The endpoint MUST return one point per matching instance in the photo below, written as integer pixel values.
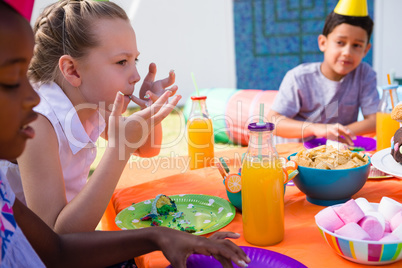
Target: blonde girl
(85, 53)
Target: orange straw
(390, 91)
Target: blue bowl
(330, 187)
(235, 199)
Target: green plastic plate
(205, 212)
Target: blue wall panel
(274, 36)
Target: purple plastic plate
(369, 144)
(259, 258)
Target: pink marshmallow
(378, 216)
(328, 219)
(349, 212)
(354, 231)
(387, 227)
(389, 237)
(396, 220)
(373, 227)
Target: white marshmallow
(364, 204)
(398, 232)
(389, 207)
(396, 220)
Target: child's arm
(290, 128)
(369, 100)
(100, 249)
(366, 126)
(43, 180)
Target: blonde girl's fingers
(118, 104)
(173, 89)
(165, 109)
(156, 106)
(140, 102)
(168, 81)
(152, 97)
(150, 78)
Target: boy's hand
(151, 90)
(335, 132)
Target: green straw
(260, 123)
(195, 84)
(196, 90)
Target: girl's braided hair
(67, 27)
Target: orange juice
(262, 201)
(200, 142)
(385, 129)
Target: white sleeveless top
(15, 250)
(77, 149)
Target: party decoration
(24, 7)
(355, 8)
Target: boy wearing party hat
(322, 99)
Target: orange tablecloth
(302, 241)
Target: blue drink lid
(261, 126)
(388, 87)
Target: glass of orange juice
(200, 135)
(262, 189)
(385, 126)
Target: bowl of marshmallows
(364, 232)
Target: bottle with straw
(385, 125)
(262, 187)
(200, 134)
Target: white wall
(198, 36)
(387, 39)
(183, 35)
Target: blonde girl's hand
(130, 133)
(151, 90)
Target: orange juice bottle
(200, 135)
(385, 126)
(262, 181)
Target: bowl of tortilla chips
(330, 176)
